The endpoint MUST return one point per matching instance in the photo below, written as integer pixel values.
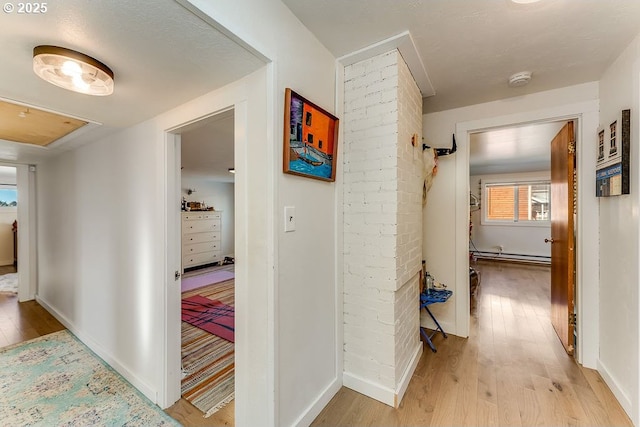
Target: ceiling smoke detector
(520, 79)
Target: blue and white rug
(55, 380)
(9, 283)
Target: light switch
(289, 218)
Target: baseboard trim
(408, 373)
(617, 391)
(382, 393)
(144, 388)
(318, 404)
(369, 388)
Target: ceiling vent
(520, 79)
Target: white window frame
(515, 221)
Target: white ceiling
(7, 175)
(162, 55)
(207, 148)
(470, 47)
(524, 148)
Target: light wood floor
(23, 321)
(511, 371)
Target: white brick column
(383, 226)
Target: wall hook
(444, 151)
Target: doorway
(586, 117)
(8, 230)
(203, 191)
(208, 265)
(19, 179)
(519, 204)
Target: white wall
(515, 239)
(290, 315)
(619, 295)
(307, 342)
(99, 266)
(103, 252)
(446, 214)
(220, 195)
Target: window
(601, 145)
(612, 142)
(517, 203)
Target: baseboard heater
(538, 259)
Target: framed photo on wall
(310, 139)
(614, 149)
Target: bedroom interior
(207, 225)
(500, 161)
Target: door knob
(548, 240)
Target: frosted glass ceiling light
(72, 70)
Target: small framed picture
(310, 139)
(614, 157)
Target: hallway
(512, 371)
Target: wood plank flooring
(23, 321)
(511, 371)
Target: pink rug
(195, 282)
(209, 315)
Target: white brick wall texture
(407, 315)
(382, 215)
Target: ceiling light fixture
(520, 79)
(72, 70)
(232, 170)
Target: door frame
(174, 241)
(586, 116)
(173, 249)
(253, 101)
(25, 186)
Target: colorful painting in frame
(310, 139)
(613, 162)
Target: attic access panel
(28, 125)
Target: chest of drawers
(201, 237)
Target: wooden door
(562, 235)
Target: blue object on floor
(428, 297)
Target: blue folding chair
(428, 297)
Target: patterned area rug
(195, 282)
(209, 315)
(9, 283)
(207, 360)
(55, 380)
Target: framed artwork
(310, 139)
(612, 167)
